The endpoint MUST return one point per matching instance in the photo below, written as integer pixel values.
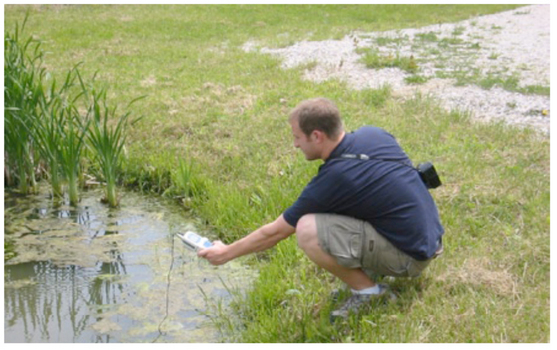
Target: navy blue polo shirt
(387, 194)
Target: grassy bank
(222, 112)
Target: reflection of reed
(81, 216)
(60, 306)
(103, 291)
(108, 286)
(108, 289)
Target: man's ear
(318, 136)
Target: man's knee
(306, 231)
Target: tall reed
(73, 135)
(23, 92)
(106, 142)
(45, 124)
(49, 130)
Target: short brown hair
(318, 114)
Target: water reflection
(53, 303)
(94, 274)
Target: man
(360, 216)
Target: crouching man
(366, 212)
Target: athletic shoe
(357, 301)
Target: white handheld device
(194, 241)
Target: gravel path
(454, 58)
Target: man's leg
(306, 232)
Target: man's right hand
(261, 239)
(216, 255)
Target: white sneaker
(357, 301)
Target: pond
(98, 275)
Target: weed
(373, 59)
(535, 90)
(449, 41)
(493, 56)
(475, 46)
(191, 186)
(507, 83)
(416, 79)
(384, 41)
(458, 31)
(427, 37)
(309, 65)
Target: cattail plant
(47, 125)
(50, 129)
(39, 124)
(23, 93)
(106, 141)
(48, 139)
(73, 136)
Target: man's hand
(263, 238)
(216, 254)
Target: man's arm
(261, 239)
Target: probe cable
(167, 292)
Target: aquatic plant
(72, 145)
(45, 125)
(106, 142)
(49, 130)
(22, 94)
(48, 143)
(40, 125)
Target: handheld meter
(194, 241)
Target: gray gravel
(513, 44)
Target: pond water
(94, 274)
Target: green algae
(95, 274)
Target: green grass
(375, 60)
(497, 247)
(427, 37)
(223, 113)
(499, 79)
(416, 79)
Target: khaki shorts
(355, 244)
